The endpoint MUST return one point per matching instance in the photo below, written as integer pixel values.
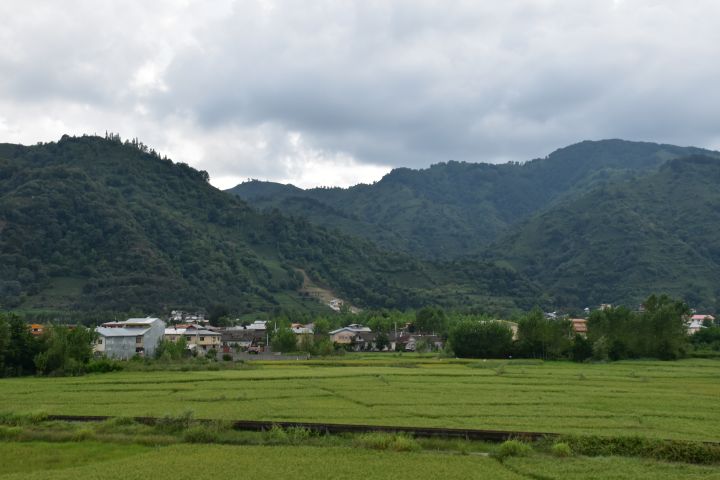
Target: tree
(216, 312)
(658, 331)
(430, 320)
(67, 351)
(581, 349)
(540, 337)
(382, 341)
(20, 347)
(284, 340)
(169, 350)
(474, 339)
(321, 327)
(663, 323)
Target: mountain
(95, 223)
(454, 209)
(626, 239)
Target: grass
(120, 448)
(674, 400)
(107, 460)
(177, 462)
(41, 457)
(616, 468)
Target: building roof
(257, 325)
(132, 322)
(190, 331)
(365, 336)
(579, 325)
(302, 330)
(242, 335)
(702, 317)
(120, 332)
(354, 328)
(146, 320)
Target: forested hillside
(456, 208)
(626, 239)
(95, 223)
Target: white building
(135, 336)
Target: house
(696, 322)
(36, 329)
(579, 326)
(300, 329)
(199, 339)
(240, 338)
(259, 325)
(364, 341)
(179, 316)
(345, 335)
(135, 336)
(409, 341)
(336, 304)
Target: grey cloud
(403, 83)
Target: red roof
(579, 325)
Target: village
(141, 337)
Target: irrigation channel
(335, 428)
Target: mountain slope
(454, 209)
(624, 240)
(92, 223)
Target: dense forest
(596, 222)
(99, 224)
(94, 223)
(456, 208)
(623, 240)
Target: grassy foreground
(653, 399)
(91, 460)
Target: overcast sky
(339, 92)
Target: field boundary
(336, 428)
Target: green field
(677, 400)
(90, 460)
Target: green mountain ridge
(624, 240)
(454, 209)
(93, 223)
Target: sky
(334, 93)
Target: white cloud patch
(339, 92)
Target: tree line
(60, 350)
(657, 331)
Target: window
(202, 339)
(138, 339)
(99, 341)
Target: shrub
(512, 448)
(666, 450)
(9, 433)
(288, 436)
(475, 339)
(561, 449)
(103, 365)
(387, 441)
(84, 433)
(201, 434)
(175, 424)
(227, 357)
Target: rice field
(677, 400)
(92, 460)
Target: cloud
(338, 92)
